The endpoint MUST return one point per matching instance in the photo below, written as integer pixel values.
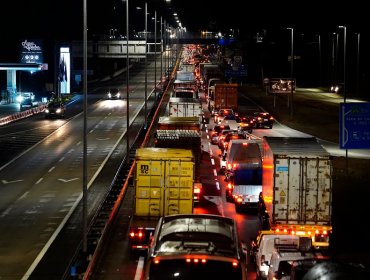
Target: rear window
(219, 128)
(181, 269)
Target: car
(228, 138)
(246, 124)
(221, 114)
(114, 93)
(263, 119)
(26, 104)
(336, 88)
(55, 109)
(222, 135)
(213, 134)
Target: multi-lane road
(41, 186)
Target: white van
(283, 256)
(267, 245)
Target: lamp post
(146, 66)
(84, 176)
(161, 34)
(320, 63)
(127, 88)
(344, 76)
(291, 69)
(344, 61)
(358, 66)
(155, 55)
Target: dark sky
(63, 20)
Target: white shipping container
(184, 107)
(297, 181)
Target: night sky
(62, 21)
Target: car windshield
(54, 105)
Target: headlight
(47, 111)
(109, 95)
(58, 111)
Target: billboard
(354, 125)
(64, 75)
(282, 85)
(31, 51)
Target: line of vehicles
(286, 181)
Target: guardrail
(22, 115)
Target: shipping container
(297, 186)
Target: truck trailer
(297, 188)
(163, 184)
(184, 107)
(225, 97)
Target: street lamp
(358, 66)
(291, 69)
(344, 60)
(127, 89)
(146, 67)
(344, 75)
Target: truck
(225, 96)
(297, 188)
(244, 174)
(183, 123)
(184, 107)
(163, 183)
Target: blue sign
(237, 73)
(354, 129)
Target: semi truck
(184, 107)
(163, 183)
(297, 188)
(183, 123)
(225, 97)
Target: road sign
(354, 125)
(238, 73)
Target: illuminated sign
(282, 85)
(354, 125)
(31, 52)
(64, 76)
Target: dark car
(213, 133)
(26, 104)
(114, 93)
(263, 119)
(246, 124)
(55, 109)
(231, 136)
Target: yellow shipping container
(164, 181)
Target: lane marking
(39, 180)
(139, 269)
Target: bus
(196, 246)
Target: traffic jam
(214, 164)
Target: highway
(116, 263)
(41, 186)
